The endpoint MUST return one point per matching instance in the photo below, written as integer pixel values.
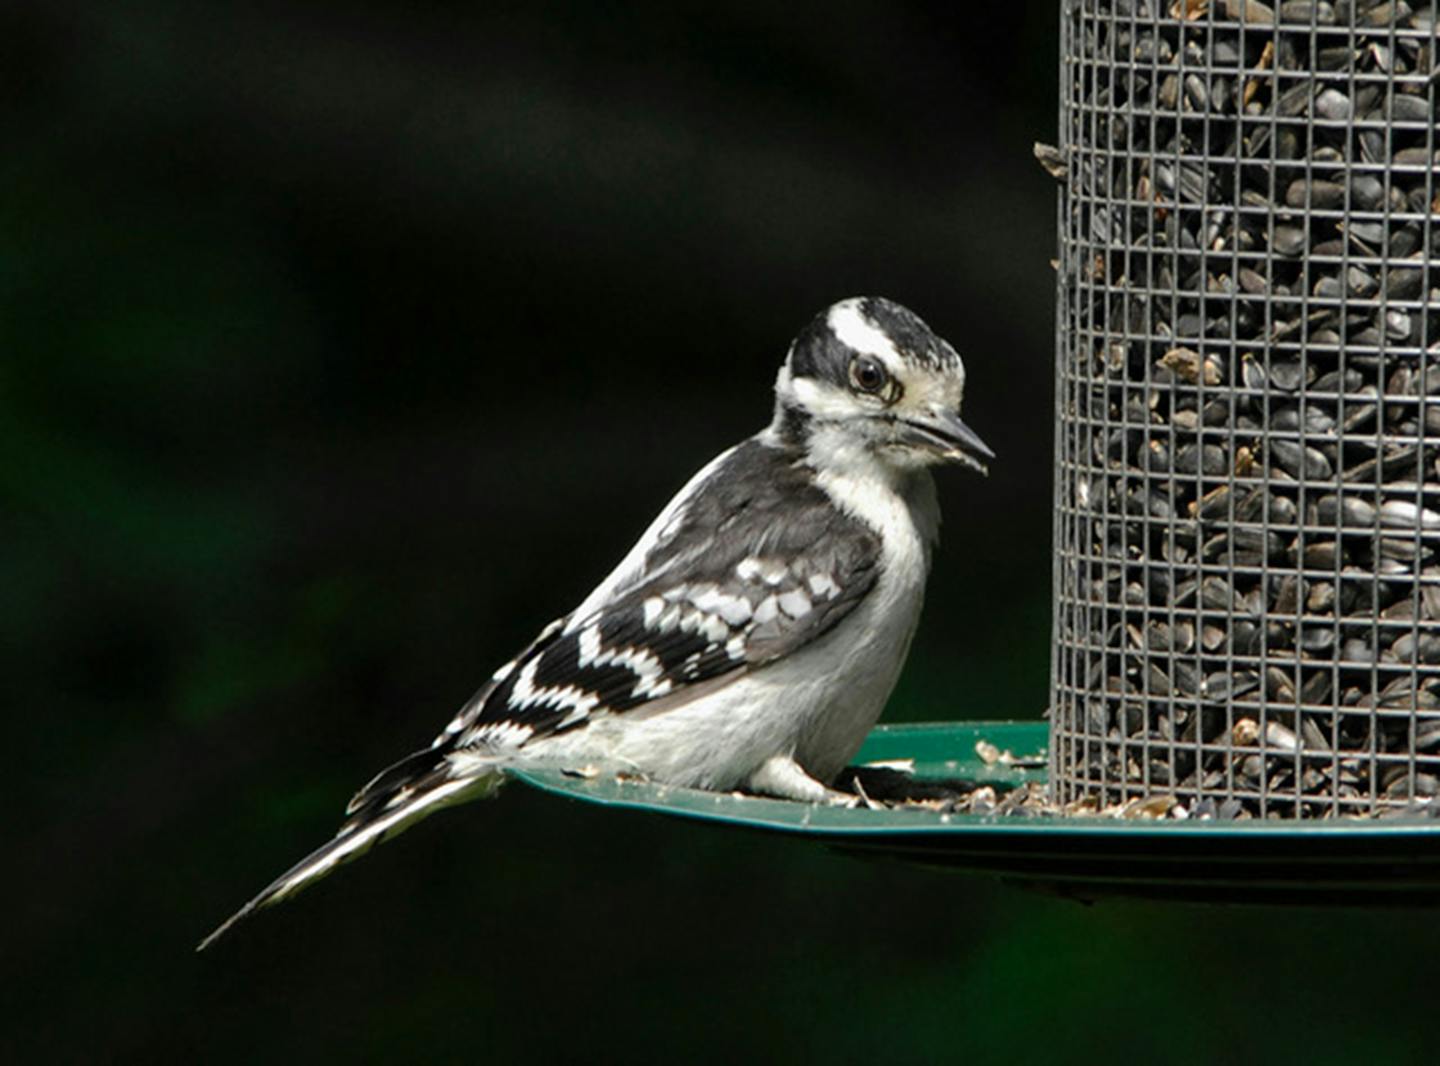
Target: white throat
(881, 494)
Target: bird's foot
(784, 778)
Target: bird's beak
(942, 432)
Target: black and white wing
(751, 562)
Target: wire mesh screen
(1248, 372)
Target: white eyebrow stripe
(858, 333)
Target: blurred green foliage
(345, 345)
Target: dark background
(346, 345)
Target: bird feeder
(1245, 689)
(1248, 371)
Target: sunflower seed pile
(887, 786)
(1248, 468)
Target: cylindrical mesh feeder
(1248, 375)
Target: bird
(752, 636)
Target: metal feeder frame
(1247, 497)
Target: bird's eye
(868, 375)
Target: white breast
(865, 654)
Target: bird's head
(868, 380)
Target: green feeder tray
(1341, 861)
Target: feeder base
(1352, 863)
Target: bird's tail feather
(396, 799)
